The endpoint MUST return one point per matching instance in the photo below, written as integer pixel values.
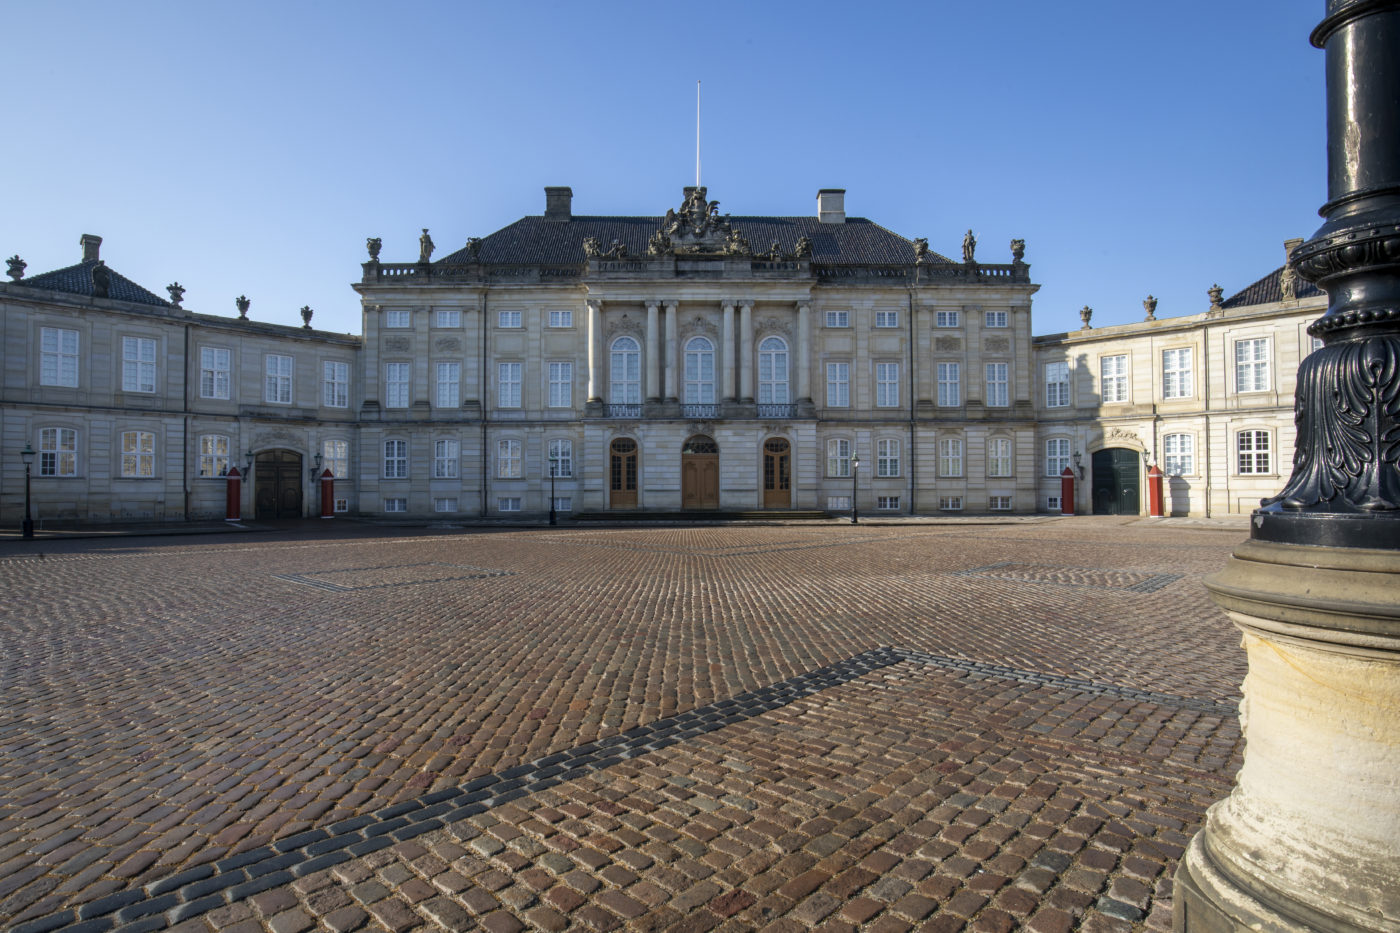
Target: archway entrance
(623, 474)
(1117, 478)
(277, 484)
(700, 473)
(777, 473)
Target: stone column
(1309, 839)
(671, 395)
(746, 351)
(595, 350)
(804, 353)
(726, 354)
(654, 362)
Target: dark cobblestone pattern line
(311, 578)
(1132, 581)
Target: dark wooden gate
(1117, 478)
(277, 484)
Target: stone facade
(689, 361)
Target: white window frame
(838, 503)
(887, 503)
(998, 385)
(510, 377)
(277, 378)
(838, 385)
(949, 384)
(950, 503)
(395, 459)
(138, 453)
(561, 454)
(215, 372)
(999, 503)
(561, 383)
(1054, 504)
(838, 318)
(398, 380)
(510, 462)
(1179, 454)
(335, 384)
(508, 504)
(335, 456)
(398, 317)
(625, 371)
(996, 319)
(449, 318)
(1057, 455)
(214, 459)
(947, 319)
(563, 317)
(1000, 456)
(396, 504)
(886, 318)
(58, 451)
(1256, 457)
(773, 371)
(699, 371)
(1177, 376)
(838, 457)
(1113, 379)
(563, 503)
(950, 457)
(448, 383)
(58, 357)
(887, 457)
(444, 503)
(1057, 384)
(886, 385)
(447, 452)
(1252, 364)
(510, 319)
(138, 364)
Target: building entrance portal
(623, 474)
(777, 474)
(700, 473)
(277, 484)
(1117, 477)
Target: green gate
(1117, 477)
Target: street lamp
(553, 468)
(855, 512)
(27, 455)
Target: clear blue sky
(251, 147)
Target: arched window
(625, 371)
(772, 371)
(699, 372)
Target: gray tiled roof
(77, 280)
(533, 240)
(1267, 290)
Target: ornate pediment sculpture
(698, 228)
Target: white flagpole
(697, 134)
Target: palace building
(687, 361)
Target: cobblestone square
(922, 726)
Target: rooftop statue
(1018, 250)
(803, 249)
(920, 249)
(16, 270)
(425, 246)
(969, 247)
(101, 279)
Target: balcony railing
(700, 411)
(624, 411)
(776, 411)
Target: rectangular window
(1056, 455)
(563, 503)
(445, 452)
(996, 318)
(1253, 447)
(508, 504)
(946, 318)
(890, 503)
(838, 503)
(1113, 378)
(561, 385)
(999, 503)
(886, 318)
(342, 505)
(138, 454)
(838, 385)
(1176, 373)
(1052, 503)
(449, 317)
(1179, 452)
(886, 385)
(950, 457)
(508, 318)
(561, 318)
(998, 395)
(277, 385)
(949, 385)
(950, 503)
(838, 457)
(999, 456)
(213, 455)
(508, 384)
(838, 319)
(396, 504)
(335, 456)
(58, 452)
(561, 457)
(444, 504)
(58, 357)
(1252, 365)
(215, 364)
(449, 385)
(138, 364)
(396, 384)
(396, 459)
(1056, 385)
(335, 384)
(887, 457)
(397, 317)
(508, 465)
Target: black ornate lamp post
(27, 455)
(553, 469)
(855, 511)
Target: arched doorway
(1117, 479)
(622, 474)
(700, 473)
(277, 484)
(777, 473)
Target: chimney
(91, 244)
(1289, 246)
(831, 205)
(558, 204)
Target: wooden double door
(777, 473)
(277, 484)
(1117, 480)
(700, 473)
(622, 473)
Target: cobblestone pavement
(783, 727)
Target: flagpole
(697, 134)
